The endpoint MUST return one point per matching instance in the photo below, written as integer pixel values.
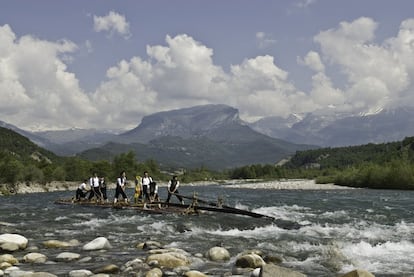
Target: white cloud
(305, 3)
(313, 61)
(264, 40)
(375, 73)
(35, 87)
(323, 93)
(112, 23)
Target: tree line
(386, 165)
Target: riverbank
(296, 184)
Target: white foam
(382, 257)
(258, 232)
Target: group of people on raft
(146, 190)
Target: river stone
(358, 273)
(273, 259)
(253, 251)
(250, 261)
(170, 260)
(9, 246)
(85, 259)
(16, 272)
(56, 244)
(8, 259)
(67, 256)
(4, 265)
(14, 238)
(136, 263)
(40, 274)
(218, 254)
(272, 270)
(194, 273)
(1, 273)
(35, 258)
(111, 268)
(155, 272)
(97, 244)
(150, 245)
(80, 273)
(256, 272)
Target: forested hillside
(386, 165)
(22, 148)
(23, 161)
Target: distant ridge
(185, 123)
(212, 136)
(332, 130)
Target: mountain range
(214, 136)
(333, 130)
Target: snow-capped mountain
(327, 129)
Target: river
(340, 229)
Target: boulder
(97, 244)
(9, 246)
(273, 259)
(8, 259)
(40, 274)
(67, 257)
(80, 273)
(135, 264)
(150, 245)
(5, 265)
(14, 271)
(194, 273)
(272, 270)
(218, 254)
(170, 260)
(35, 258)
(110, 268)
(13, 239)
(256, 272)
(358, 273)
(56, 244)
(155, 272)
(250, 261)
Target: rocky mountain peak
(186, 123)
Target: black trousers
(80, 194)
(120, 191)
(95, 191)
(145, 192)
(103, 191)
(178, 196)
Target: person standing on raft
(120, 187)
(138, 189)
(172, 188)
(146, 181)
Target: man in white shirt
(95, 191)
(81, 191)
(120, 187)
(146, 181)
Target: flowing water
(341, 229)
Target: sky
(106, 64)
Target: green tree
(77, 169)
(11, 171)
(125, 162)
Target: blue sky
(106, 64)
